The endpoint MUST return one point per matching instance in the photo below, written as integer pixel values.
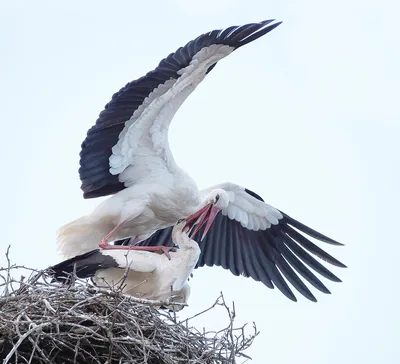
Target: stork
(142, 274)
(126, 153)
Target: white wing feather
(139, 261)
(253, 214)
(143, 150)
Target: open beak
(205, 215)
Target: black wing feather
(312, 248)
(248, 268)
(305, 229)
(84, 266)
(309, 260)
(234, 258)
(293, 278)
(301, 268)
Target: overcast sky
(307, 117)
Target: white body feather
(158, 192)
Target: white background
(306, 116)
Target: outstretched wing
(129, 141)
(256, 240)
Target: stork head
(181, 225)
(181, 228)
(218, 198)
(214, 202)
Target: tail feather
(80, 236)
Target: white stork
(126, 153)
(142, 274)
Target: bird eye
(216, 198)
(180, 220)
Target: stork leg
(161, 249)
(103, 243)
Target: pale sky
(306, 116)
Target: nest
(45, 322)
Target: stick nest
(45, 322)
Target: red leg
(158, 249)
(103, 243)
(134, 241)
(161, 249)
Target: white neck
(182, 239)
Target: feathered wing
(83, 266)
(129, 141)
(256, 240)
(86, 265)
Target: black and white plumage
(108, 163)
(253, 239)
(141, 274)
(126, 153)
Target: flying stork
(126, 154)
(142, 274)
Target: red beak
(207, 215)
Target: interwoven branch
(45, 322)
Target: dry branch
(45, 322)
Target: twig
(204, 311)
(21, 339)
(8, 279)
(45, 322)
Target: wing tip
(329, 259)
(340, 264)
(265, 28)
(334, 278)
(312, 298)
(274, 25)
(307, 230)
